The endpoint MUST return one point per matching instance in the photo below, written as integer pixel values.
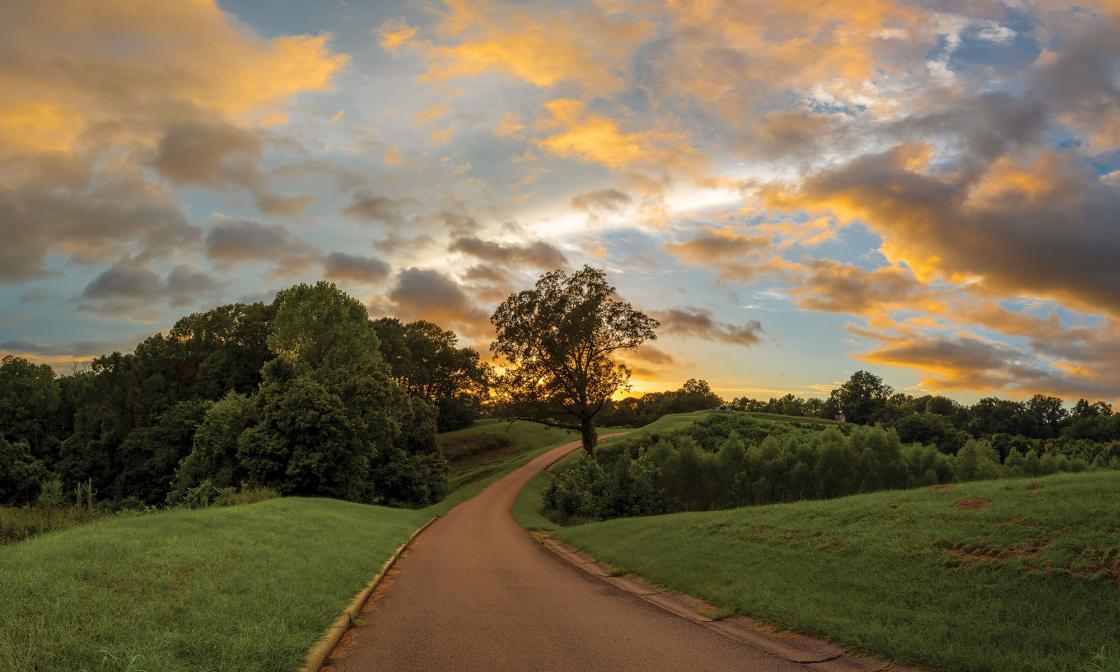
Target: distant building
(840, 417)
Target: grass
(984, 576)
(666, 423)
(236, 588)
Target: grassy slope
(1030, 581)
(529, 440)
(239, 588)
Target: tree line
(731, 460)
(929, 419)
(305, 395)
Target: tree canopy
(558, 341)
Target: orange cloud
(595, 138)
(183, 59)
(543, 49)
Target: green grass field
(236, 588)
(983, 576)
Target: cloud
(573, 132)
(700, 323)
(354, 268)
(545, 48)
(1044, 228)
(374, 208)
(537, 254)
(127, 289)
(232, 241)
(52, 205)
(966, 363)
(427, 294)
(837, 287)
(609, 200)
(183, 60)
(735, 256)
(394, 33)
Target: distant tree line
(694, 395)
(1009, 425)
(304, 395)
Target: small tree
(559, 339)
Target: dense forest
(305, 395)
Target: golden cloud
(576, 133)
(183, 59)
(543, 49)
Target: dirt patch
(944, 487)
(1034, 488)
(970, 504)
(961, 555)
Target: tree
(427, 360)
(862, 399)
(559, 339)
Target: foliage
(559, 339)
(427, 361)
(20, 473)
(732, 460)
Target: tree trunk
(590, 437)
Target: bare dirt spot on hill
(970, 504)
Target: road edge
(322, 649)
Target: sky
(797, 190)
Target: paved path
(476, 593)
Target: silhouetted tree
(559, 339)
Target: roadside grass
(983, 576)
(469, 476)
(236, 588)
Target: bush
(468, 445)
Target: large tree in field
(559, 339)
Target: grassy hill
(983, 576)
(236, 588)
(528, 440)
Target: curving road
(476, 592)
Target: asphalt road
(476, 593)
